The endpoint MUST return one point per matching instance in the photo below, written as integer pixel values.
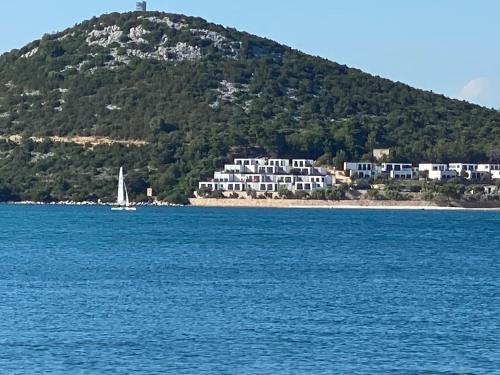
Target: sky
(448, 46)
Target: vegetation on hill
(200, 94)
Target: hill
(178, 96)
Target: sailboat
(122, 203)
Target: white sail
(122, 203)
(121, 190)
(127, 203)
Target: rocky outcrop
(104, 37)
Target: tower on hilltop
(141, 6)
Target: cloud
(482, 90)
(475, 89)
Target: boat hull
(123, 209)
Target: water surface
(248, 291)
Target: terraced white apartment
(270, 175)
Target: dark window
(270, 187)
(307, 186)
(262, 187)
(237, 187)
(299, 186)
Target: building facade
(269, 175)
(492, 169)
(359, 169)
(437, 171)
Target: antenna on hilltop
(141, 6)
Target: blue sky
(448, 46)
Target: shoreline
(343, 204)
(294, 204)
(88, 203)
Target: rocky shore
(90, 203)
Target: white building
(404, 174)
(492, 169)
(398, 171)
(437, 171)
(473, 172)
(269, 175)
(462, 168)
(388, 167)
(359, 169)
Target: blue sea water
(84, 290)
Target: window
(270, 187)
(307, 186)
(262, 187)
(299, 186)
(230, 187)
(237, 187)
(288, 180)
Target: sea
(187, 290)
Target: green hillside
(198, 94)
